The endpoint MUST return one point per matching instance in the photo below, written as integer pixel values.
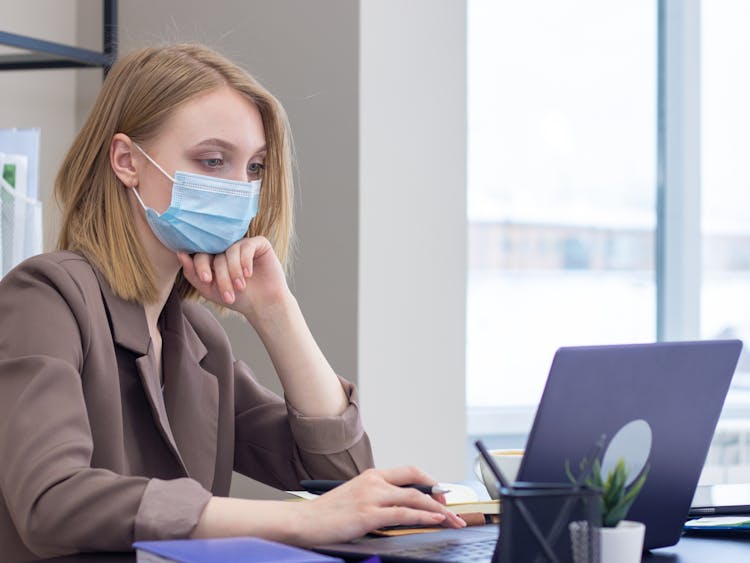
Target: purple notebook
(227, 550)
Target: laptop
(657, 404)
(725, 499)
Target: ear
(122, 159)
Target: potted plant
(617, 540)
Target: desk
(688, 550)
(695, 549)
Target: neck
(166, 268)
(164, 283)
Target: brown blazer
(93, 455)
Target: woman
(122, 409)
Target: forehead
(223, 114)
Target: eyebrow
(213, 142)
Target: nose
(240, 176)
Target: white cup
(509, 461)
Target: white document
(20, 215)
(25, 142)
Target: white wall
(412, 245)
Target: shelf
(47, 55)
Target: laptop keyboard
(481, 550)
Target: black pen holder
(534, 525)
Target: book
(226, 550)
(482, 506)
(475, 510)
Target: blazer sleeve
(276, 444)
(58, 502)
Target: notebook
(728, 525)
(226, 550)
(676, 389)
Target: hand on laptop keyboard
(372, 500)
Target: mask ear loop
(152, 161)
(138, 196)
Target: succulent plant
(616, 497)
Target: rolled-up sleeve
(276, 444)
(328, 434)
(170, 509)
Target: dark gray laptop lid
(674, 389)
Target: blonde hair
(140, 93)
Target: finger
(202, 263)
(415, 499)
(189, 271)
(453, 520)
(403, 516)
(222, 279)
(407, 475)
(188, 267)
(234, 266)
(247, 253)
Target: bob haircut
(140, 93)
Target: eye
(213, 162)
(254, 170)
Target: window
(725, 218)
(562, 188)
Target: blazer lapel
(191, 393)
(146, 366)
(129, 330)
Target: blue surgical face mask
(206, 214)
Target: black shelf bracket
(47, 54)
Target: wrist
(280, 521)
(273, 311)
(297, 522)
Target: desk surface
(689, 550)
(695, 549)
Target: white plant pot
(623, 543)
